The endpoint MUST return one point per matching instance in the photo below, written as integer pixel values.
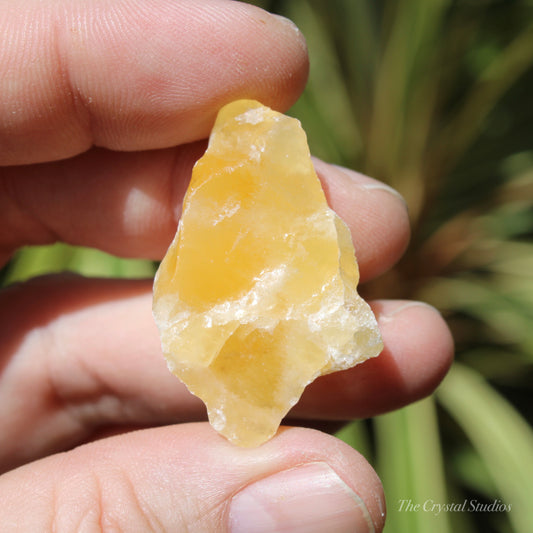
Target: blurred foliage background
(433, 97)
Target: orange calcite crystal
(256, 296)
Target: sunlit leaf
(39, 260)
(501, 436)
(410, 464)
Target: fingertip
(169, 90)
(349, 466)
(424, 357)
(289, 44)
(375, 213)
(417, 355)
(90, 76)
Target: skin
(99, 129)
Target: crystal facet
(256, 296)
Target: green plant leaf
(356, 435)
(331, 120)
(493, 81)
(500, 435)
(34, 261)
(409, 461)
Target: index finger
(134, 75)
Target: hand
(103, 109)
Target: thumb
(187, 478)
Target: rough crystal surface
(256, 296)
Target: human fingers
(136, 74)
(187, 478)
(87, 359)
(138, 198)
(375, 213)
(418, 352)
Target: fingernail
(369, 184)
(402, 306)
(287, 22)
(360, 180)
(309, 498)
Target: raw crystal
(256, 296)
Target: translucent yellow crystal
(256, 296)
